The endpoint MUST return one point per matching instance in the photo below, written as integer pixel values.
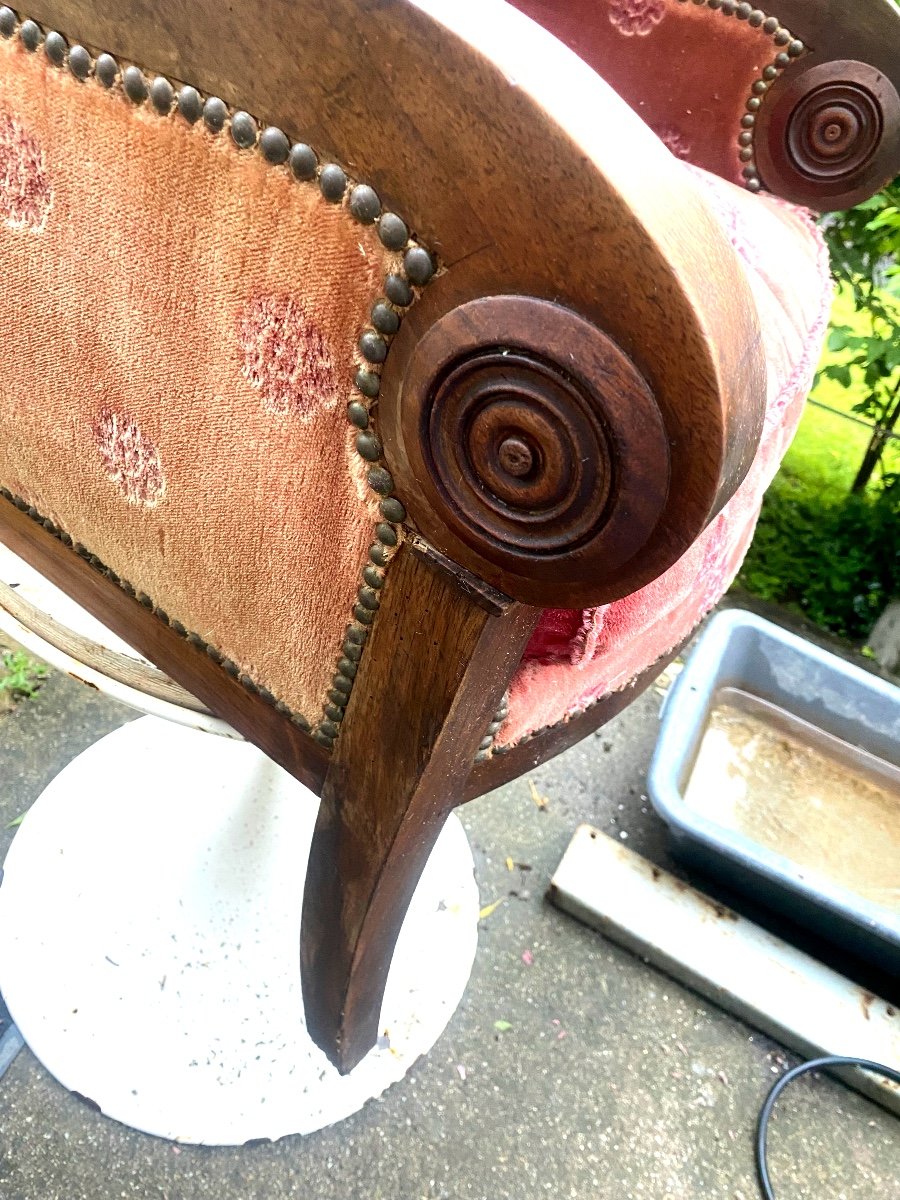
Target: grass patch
(20, 676)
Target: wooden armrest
(800, 98)
(577, 204)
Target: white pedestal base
(149, 941)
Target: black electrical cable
(762, 1128)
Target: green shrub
(834, 559)
(828, 541)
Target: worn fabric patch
(130, 459)
(636, 17)
(575, 658)
(287, 357)
(25, 191)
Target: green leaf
(502, 1026)
(841, 374)
(876, 201)
(19, 674)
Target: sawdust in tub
(829, 807)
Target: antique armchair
(403, 384)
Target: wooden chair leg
(440, 655)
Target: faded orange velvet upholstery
(181, 323)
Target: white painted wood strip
(742, 968)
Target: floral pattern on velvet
(286, 357)
(26, 195)
(636, 17)
(129, 458)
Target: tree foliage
(864, 243)
(836, 558)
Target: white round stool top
(150, 935)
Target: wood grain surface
(433, 676)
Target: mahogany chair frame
(622, 297)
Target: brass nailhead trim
(486, 747)
(789, 49)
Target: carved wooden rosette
(529, 449)
(828, 134)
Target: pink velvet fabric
(575, 658)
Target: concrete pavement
(611, 1081)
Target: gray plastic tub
(851, 714)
